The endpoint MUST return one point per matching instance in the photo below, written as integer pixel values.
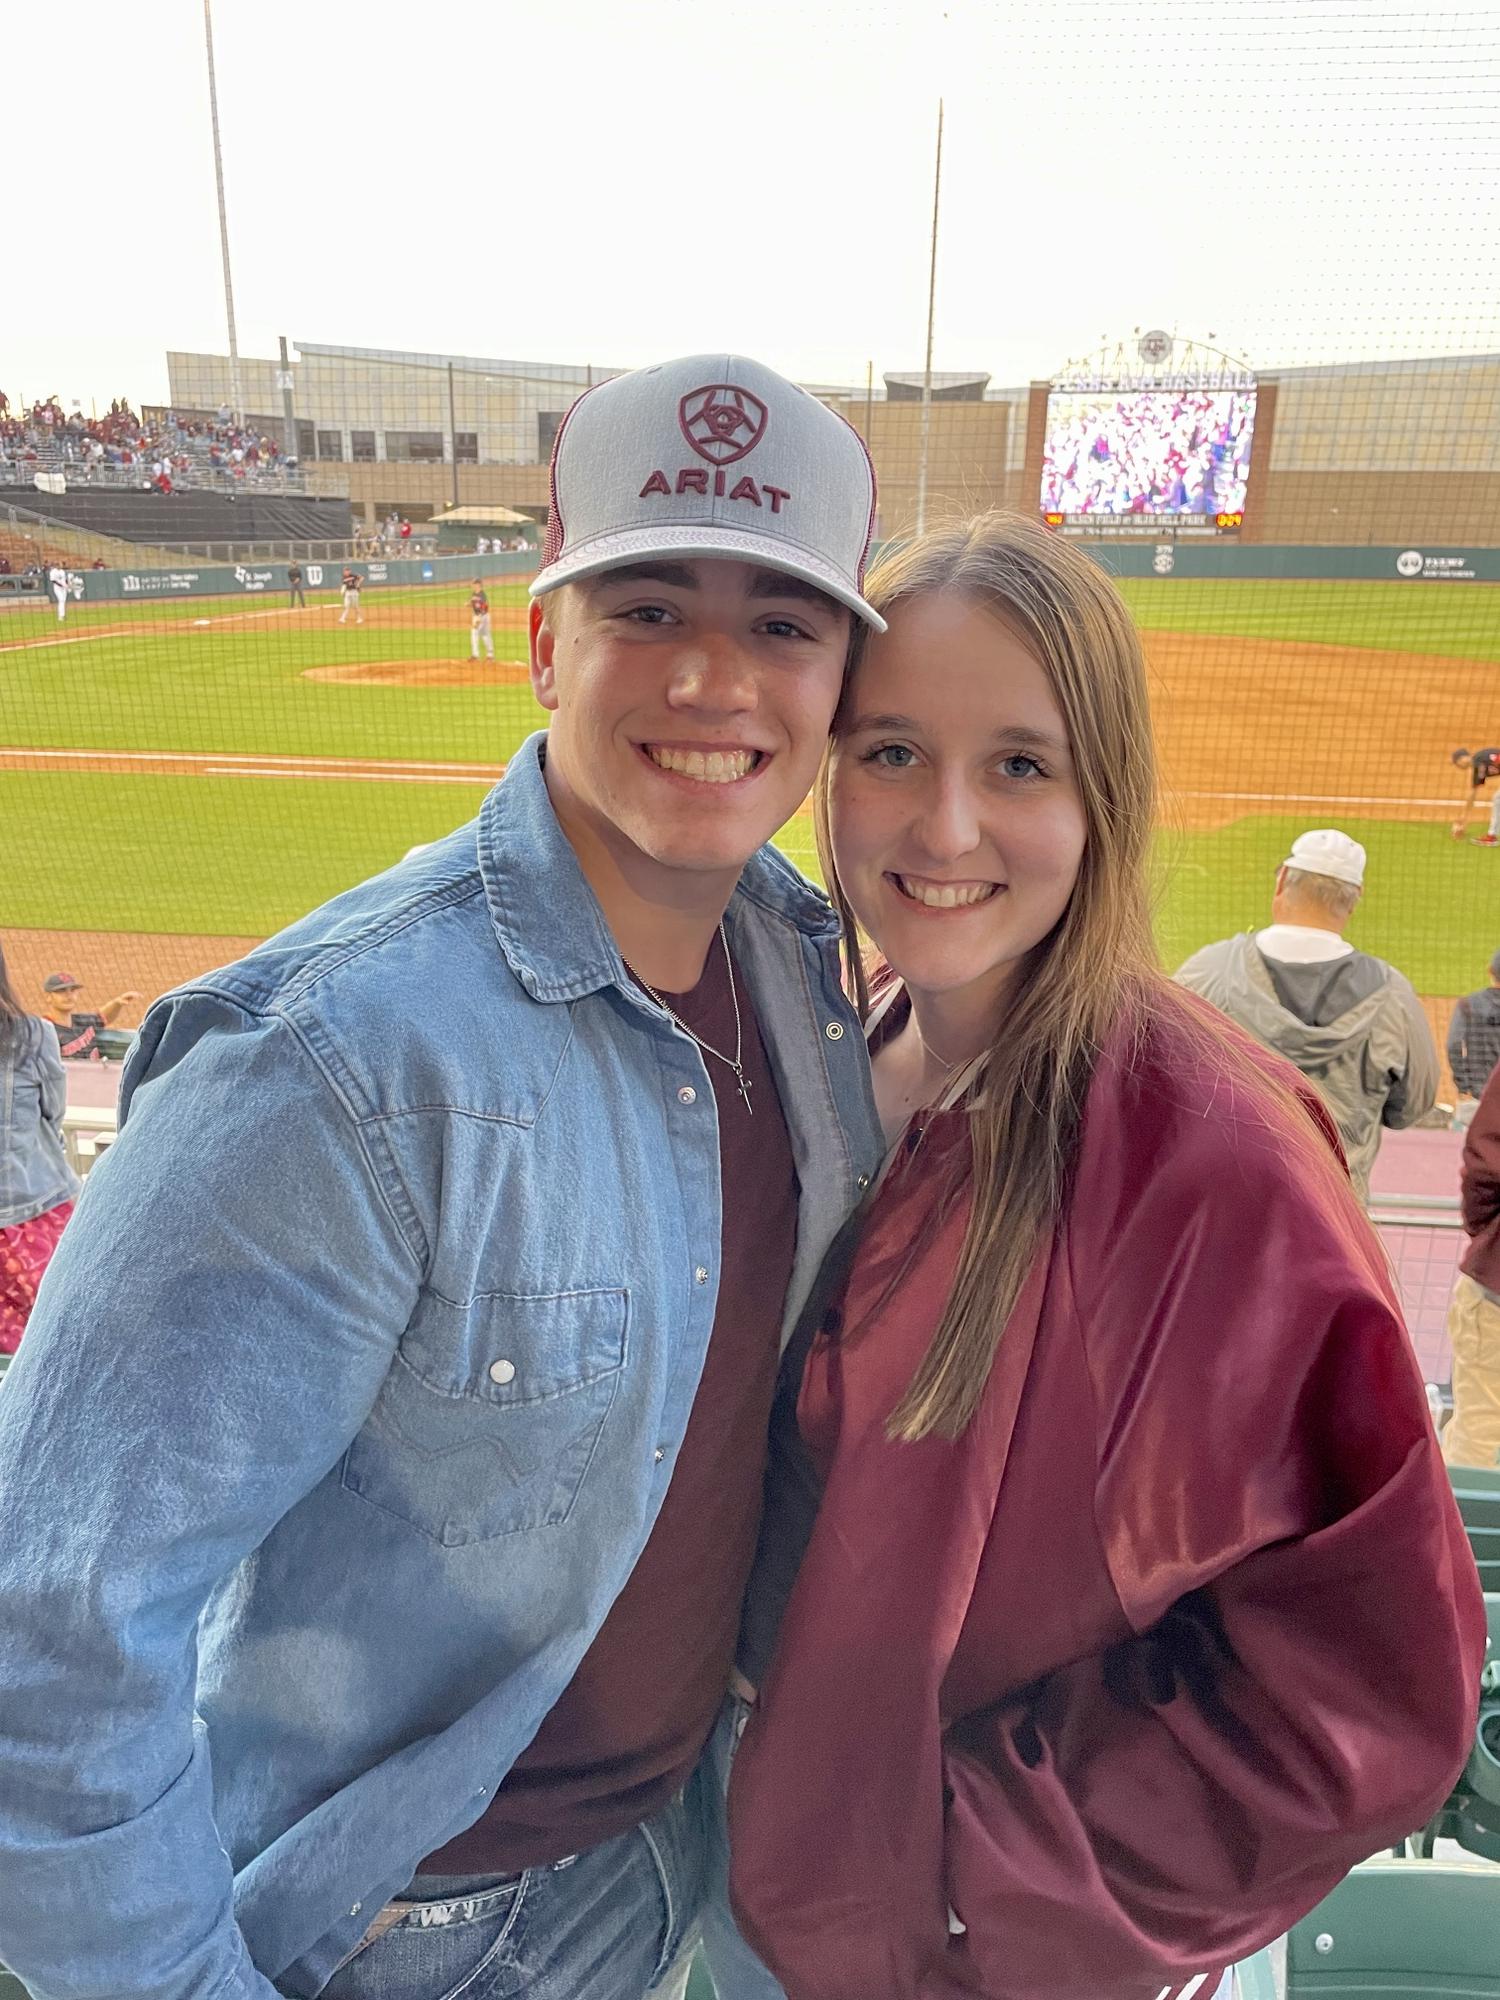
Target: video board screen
(1147, 451)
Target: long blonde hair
(1087, 979)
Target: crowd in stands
(123, 449)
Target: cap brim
(608, 552)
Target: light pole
(937, 188)
(236, 401)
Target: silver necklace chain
(708, 1048)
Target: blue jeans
(609, 1924)
(737, 1973)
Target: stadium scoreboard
(1151, 442)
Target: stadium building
(1368, 452)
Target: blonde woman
(1132, 1608)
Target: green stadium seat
(1255, 1978)
(1479, 1505)
(1471, 1813)
(1478, 1478)
(1401, 1930)
(700, 1984)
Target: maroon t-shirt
(628, 1729)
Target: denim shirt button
(834, 1031)
(356, 1909)
(700, 1275)
(687, 1095)
(863, 1182)
(658, 1454)
(502, 1371)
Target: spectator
(1350, 1022)
(1474, 1039)
(78, 1030)
(1473, 1436)
(37, 1185)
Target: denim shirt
(354, 1392)
(34, 1170)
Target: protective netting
(1293, 465)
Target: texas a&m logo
(723, 424)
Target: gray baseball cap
(713, 455)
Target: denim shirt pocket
(489, 1418)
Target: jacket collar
(546, 918)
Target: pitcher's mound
(424, 673)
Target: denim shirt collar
(547, 919)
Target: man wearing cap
(77, 1026)
(1482, 766)
(1474, 1042)
(1350, 1022)
(408, 1377)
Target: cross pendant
(744, 1083)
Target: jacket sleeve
(1414, 1090)
(52, 1078)
(1458, 1049)
(1479, 1181)
(1301, 1680)
(214, 1327)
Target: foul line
(1309, 798)
(417, 771)
(147, 626)
(217, 763)
(381, 777)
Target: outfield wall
(1260, 561)
(1242, 562)
(269, 578)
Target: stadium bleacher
(189, 515)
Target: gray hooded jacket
(1352, 1025)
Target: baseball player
(295, 594)
(1482, 766)
(352, 582)
(57, 581)
(479, 622)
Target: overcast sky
(585, 180)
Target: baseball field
(179, 778)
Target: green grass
(241, 856)
(35, 618)
(1455, 621)
(220, 856)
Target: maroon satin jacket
(1480, 1188)
(1182, 1627)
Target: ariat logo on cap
(722, 422)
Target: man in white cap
(1350, 1022)
(406, 1374)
